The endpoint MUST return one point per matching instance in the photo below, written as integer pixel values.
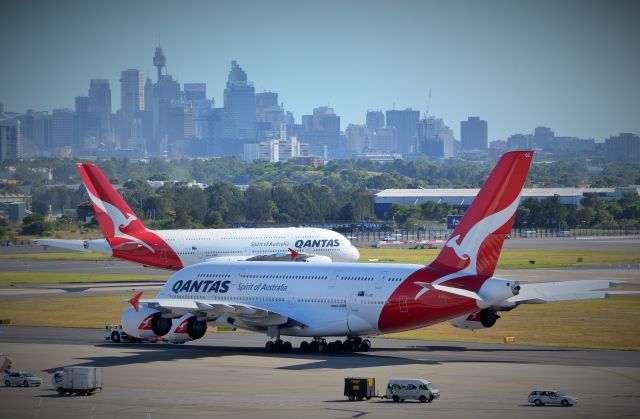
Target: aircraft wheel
(286, 347)
(304, 346)
(313, 347)
(331, 347)
(278, 346)
(269, 346)
(322, 347)
(338, 345)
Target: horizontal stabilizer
(567, 290)
(75, 245)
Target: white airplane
(125, 237)
(359, 300)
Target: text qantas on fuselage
(361, 299)
(125, 237)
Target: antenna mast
(426, 112)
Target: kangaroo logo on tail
(118, 219)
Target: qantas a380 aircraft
(125, 237)
(361, 299)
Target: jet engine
(318, 259)
(145, 323)
(482, 319)
(186, 328)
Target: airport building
(464, 197)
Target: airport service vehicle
(359, 388)
(21, 378)
(401, 389)
(542, 397)
(116, 334)
(125, 237)
(77, 380)
(356, 300)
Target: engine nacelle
(482, 319)
(186, 328)
(495, 290)
(145, 323)
(318, 259)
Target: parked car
(529, 233)
(542, 397)
(400, 389)
(21, 379)
(564, 233)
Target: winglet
(135, 301)
(294, 254)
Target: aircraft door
(353, 303)
(381, 279)
(403, 304)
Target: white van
(400, 389)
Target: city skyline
(570, 66)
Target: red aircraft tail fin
(476, 242)
(112, 212)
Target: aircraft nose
(355, 254)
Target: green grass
(7, 278)
(510, 259)
(605, 324)
(56, 256)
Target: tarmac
(229, 375)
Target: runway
(228, 375)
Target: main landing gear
(278, 346)
(350, 344)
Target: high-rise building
(383, 140)
(435, 138)
(265, 100)
(86, 130)
(100, 105)
(62, 123)
(623, 148)
(132, 98)
(195, 91)
(406, 123)
(196, 95)
(375, 120)
(542, 137)
(10, 140)
(356, 138)
(520, 142)
(322, 132)
(240, 106)
(41, 131)
(474, 134)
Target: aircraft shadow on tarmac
(147, 353)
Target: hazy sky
(573, 66)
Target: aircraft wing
(242, 315)
(566, 290)
(75, 245)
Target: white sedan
(542, 397)
(21, 379)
